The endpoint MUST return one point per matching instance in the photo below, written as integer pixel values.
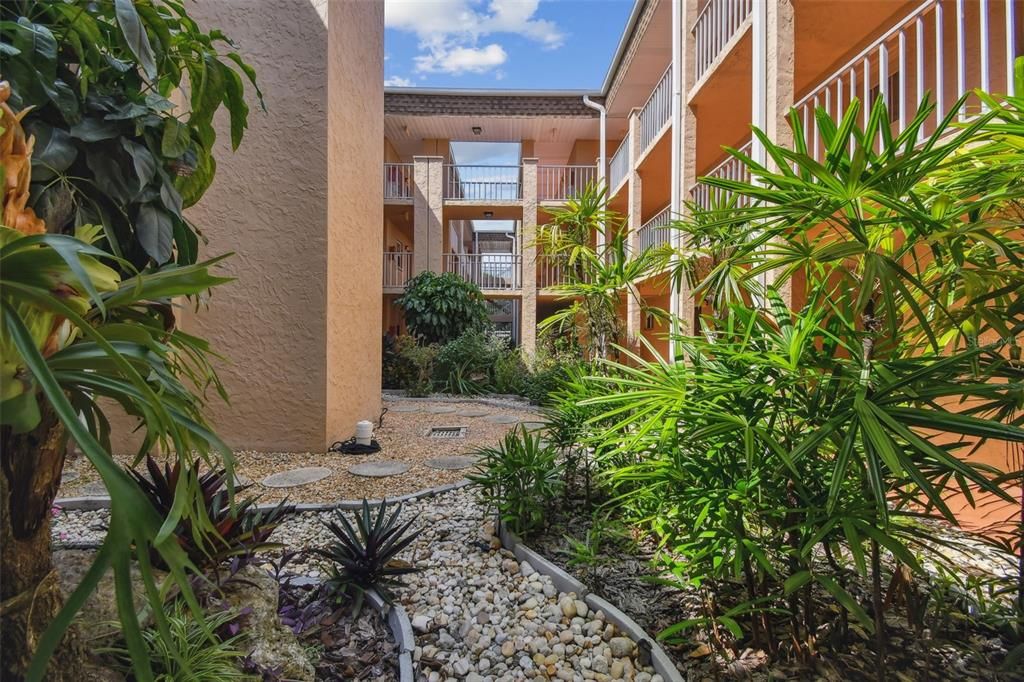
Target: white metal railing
(731, 168)
(558, 183)
(397, 269)
(483, 183)
(398, 181)
(655, 232)
(716, 25)
(487, 270)
(552, 270)
(945, 47)
(657, 110)
(618, 167)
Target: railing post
(428, 211)
(528, 316)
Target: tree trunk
(30, 470)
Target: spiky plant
(365, 556)
(237, 529)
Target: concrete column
(634, 189)
(528, 316)
(779, 90)
(428, 212)
(685, 305)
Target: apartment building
(688, 77)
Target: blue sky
(516, 44)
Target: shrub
(421, 360)
(466, 366)
(365, 557)
(398, 371)
(510, 373)
(440, 307)
(520, 478)
(232, 532)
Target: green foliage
(828, 431)
(187, 651)
(511, 375)
(520, 478)
(231, 529)
(111, 148)
(467, 365)
(365, 556)
(420, 361)
(438, 308)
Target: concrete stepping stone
(294, 478)
(388, 467)
(404, 408)
(94, 489)
(533, 425)
(440, 409)
(503, 419)
(453, 462)
(242, 480)
(68, 475)
(472, 412)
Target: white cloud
(398, 82)
(450, 32)
(457, 60)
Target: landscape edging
(401, 629)
(660, 661)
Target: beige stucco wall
(298, 204)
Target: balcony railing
(945, 47)
(715, 26)
(731, 168)
(552, 270)
(618, 167)
(487, 270)
(558, 183)
(397, 269)
(655, 232)
(398, 181)
(656, 111)
(482, 183)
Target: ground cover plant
(794, 470)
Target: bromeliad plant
(794, 452)
(231, 529)
(365, 557)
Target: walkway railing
(487, 270)
(655, 232)
(397, 269)
(618, 167)
(551, 270)
(945, 47)
(715, 26)
(482, 183)
(398, 181)
(558, 183)
(656, 111)
(731, 168)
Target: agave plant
(365, 557)
(232, 529)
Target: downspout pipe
(602, 161)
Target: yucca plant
(365, 556)
(232, 529)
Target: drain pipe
(602, 161)
(676, 155)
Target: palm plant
(829, 430)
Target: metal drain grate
(447, 432)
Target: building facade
(689, 78)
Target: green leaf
(234, 99)
(847, 600)
(54, 150)
(155, 231)
(176, 138)
(135, 36)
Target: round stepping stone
(471, 412)
(296, 477)
(453, 462)
(404, 408)
(440, 409)
(388, 467)
(503, 419)
(94, 489)
(533, 426)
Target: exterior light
(477, 130)
(488, 214)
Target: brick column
(428, 211)
(528, 239)
(634, 189)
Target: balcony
(943, 47)
(399, 182)
(551, 270)
(482, 183)
(559, 183)
(493, 271)
(618, 167)
(731, 168)
(655, 232)
(719, 21)
(397, 269)
(656, 111)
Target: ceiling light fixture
(477, 130)
(488, 214)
